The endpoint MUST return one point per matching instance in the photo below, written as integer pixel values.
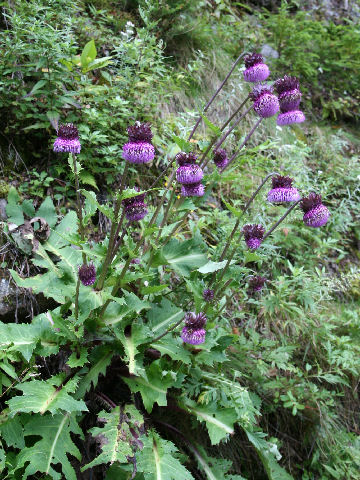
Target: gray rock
(268, 52)
(3, 204)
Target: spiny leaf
(139, 335)
(219, 422)
(158, 460)
(163, 316)
(52, 449)
(40, 397)
(153, 386)
(116, 437)
(100, 359)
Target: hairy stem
(170, 329)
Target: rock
(268, 52)
(3, 204)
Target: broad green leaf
(174, 347)
(97, 63)
(184, 257)
(23, 338)
(219, 422)
(11, 431)
(158, 460)
(163, 316)
(58, 237)
(117, 436)
(42, 396)
(211, 266)
(153, 386)
(13, 209)
(54, 447)
(47, 211)
(88, 54)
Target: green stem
(281, 220)
(77, 299)
(156, 339)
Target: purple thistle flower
(208, 294)
(266, 104)
(189, 173)
(194, 332)
(256, 70)
(256, 283)
(253, 235)
(87, 274)
(315, 213)
(135, 208)
(192, 190)
(139, 148)
(282, 190)
(289, 98)
(135, 261)
(220, 158)
(140, 152)
(67, 139)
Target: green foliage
(324, 55)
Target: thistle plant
(131, 309)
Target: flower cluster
(67, 140)
(135, 208)
(289, 94)
(139, 148)
(194, 332)
(189, 174)
(282, 190)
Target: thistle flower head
(316, 214)
(290, 117)
(87, 274)
(138, 152)
(192, 190)
(282, 190)
(208, 295)
(189, 173)
(194, 332)
(253, 235)
(184, 158)
(256, 70)
(220, 158)
(140, 132)
(256, 283)
(286, 84)
(135, 208)
(67, 139)
(266, 104)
